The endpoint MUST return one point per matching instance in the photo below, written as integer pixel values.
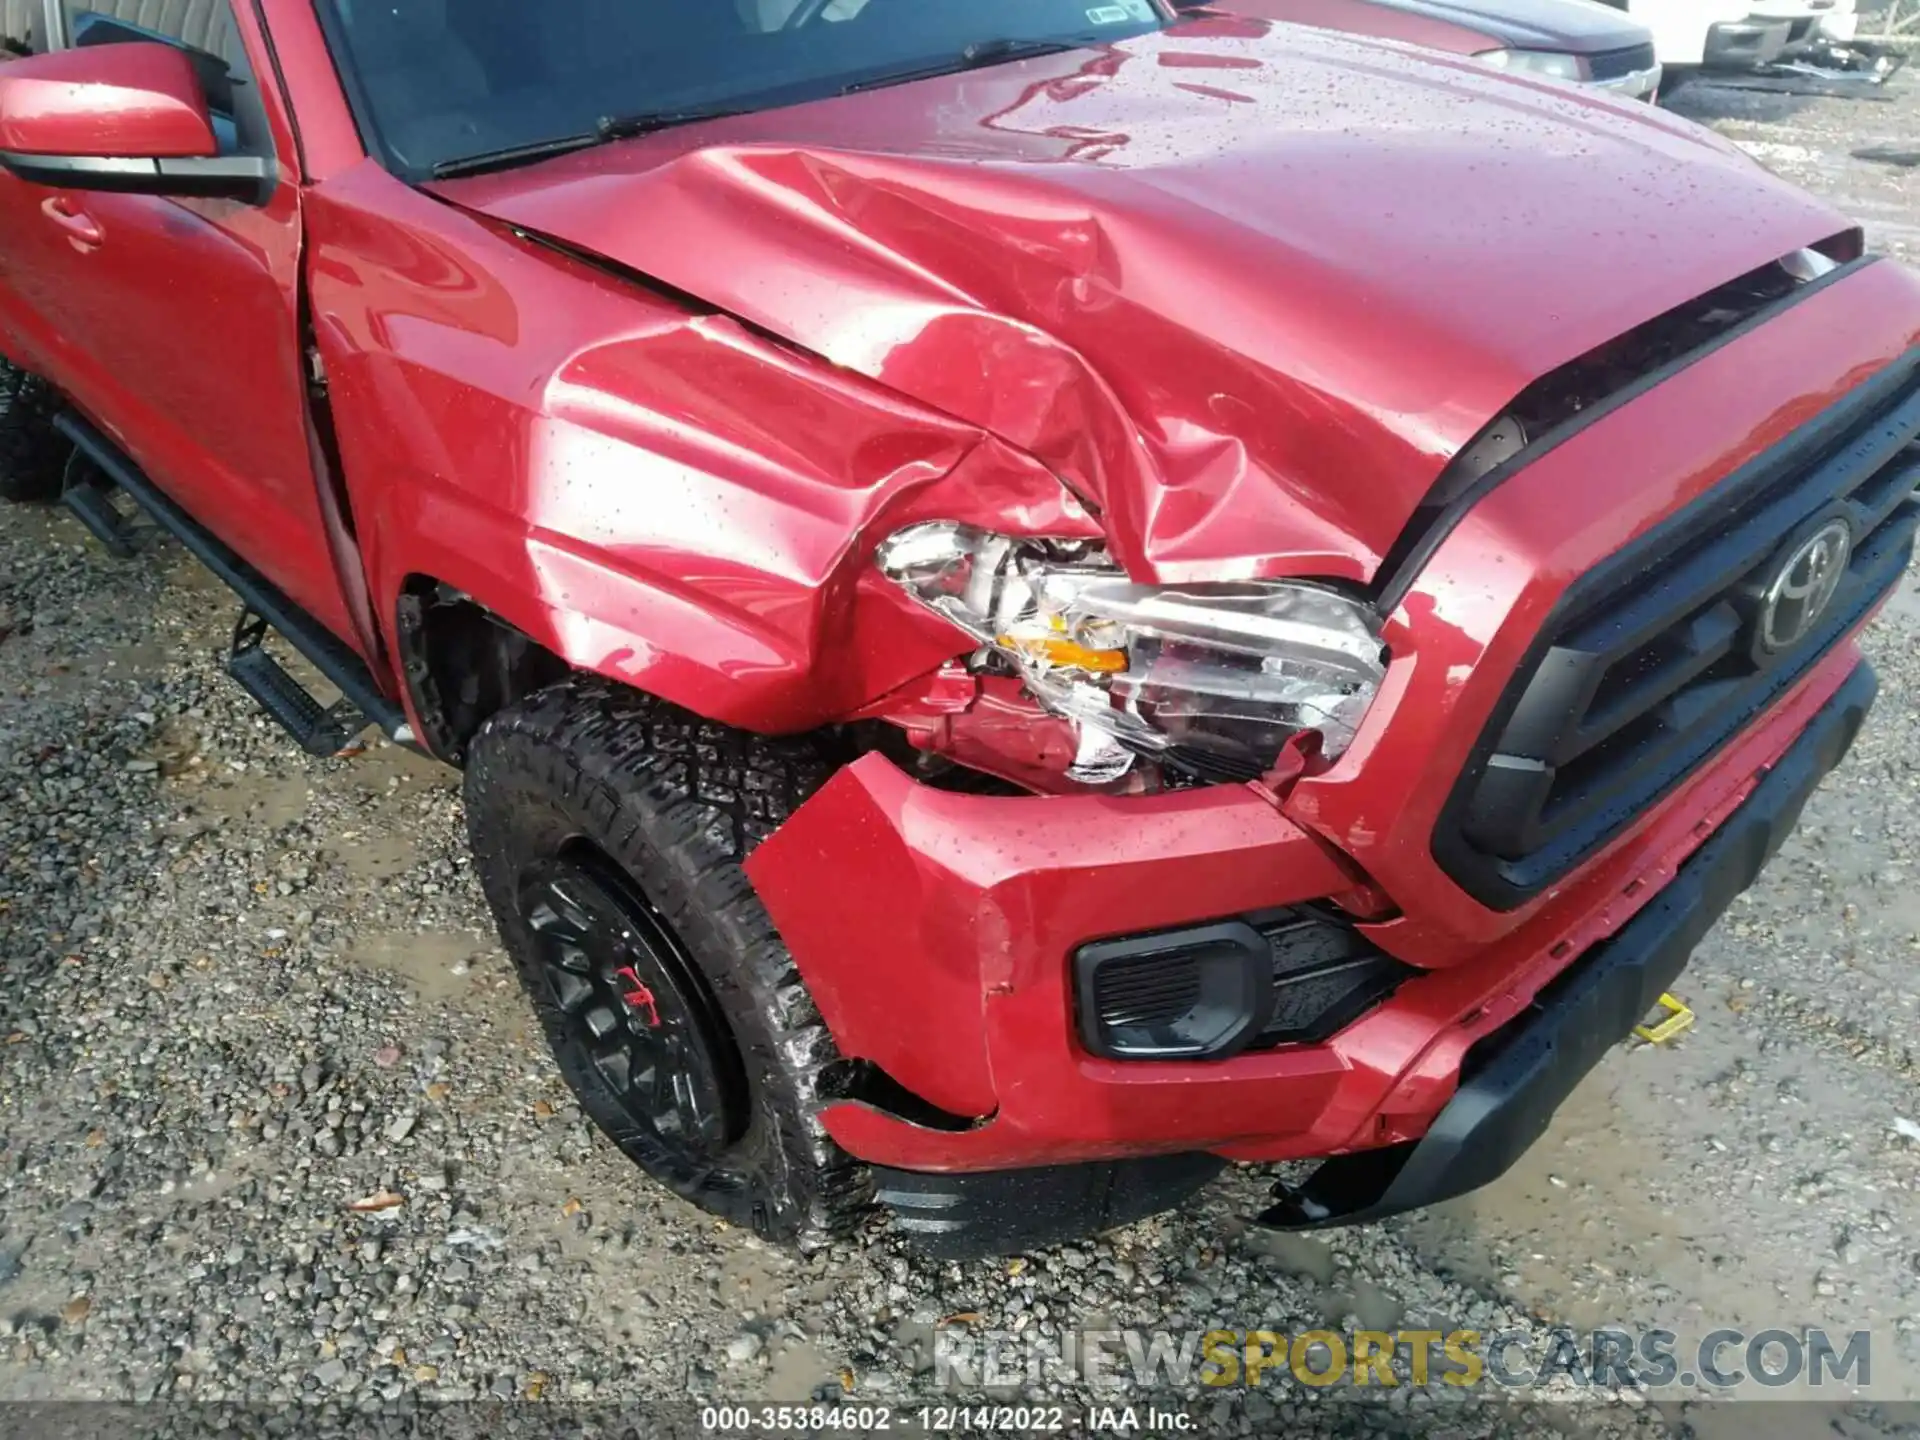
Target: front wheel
(608, 830)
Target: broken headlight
(1210, 680)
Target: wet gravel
(274, 1124)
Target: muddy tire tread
(660, 782)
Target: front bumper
(1635, 85)
(1517, 1078)
(1810, 20)
(1745, 44)
(932, 930)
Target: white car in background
(1738, 34)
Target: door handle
(79, 225)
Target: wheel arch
(468, 645)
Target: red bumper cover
(934, 929)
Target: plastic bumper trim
(1526, 1070)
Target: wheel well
(463, 663)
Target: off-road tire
(675, 803)
(33, 455)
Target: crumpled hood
(1246, 287)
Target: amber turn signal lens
(1066, 654)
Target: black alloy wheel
(634, 1002)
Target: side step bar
(267, 607)
(320, 729)
(88, 493)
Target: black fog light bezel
(1233, 998)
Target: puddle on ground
(376, 854)
(1540, 1222)
(1295, 1254)
(271, 801)
(797, 1370)
(107, 662)
(388, 769)
(1337, 1296)
(755, 1280)
(175, 747)
(439, 965)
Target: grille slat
(1147, 991)
(1326, 974)
(1612, 64)
(1659, 672)
(1651, 662)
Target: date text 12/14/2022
(942, 1419)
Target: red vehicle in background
(1033, 599)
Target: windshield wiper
(608, 127)
(510, 155)
(625, 127)
(976, 56)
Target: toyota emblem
(1803, 587)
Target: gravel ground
(241, 991)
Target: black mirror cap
(248, 178)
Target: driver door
(174, 323)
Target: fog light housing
(1185, 994)
(1293, 976)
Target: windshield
(438, 82)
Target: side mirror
(130, 118)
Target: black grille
(1612, 64)
(1651, 662)
(1326, 975)
(1147, 990)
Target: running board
(267, 607)
(321, 729)
(88, 493)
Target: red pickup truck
(1033, 599)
